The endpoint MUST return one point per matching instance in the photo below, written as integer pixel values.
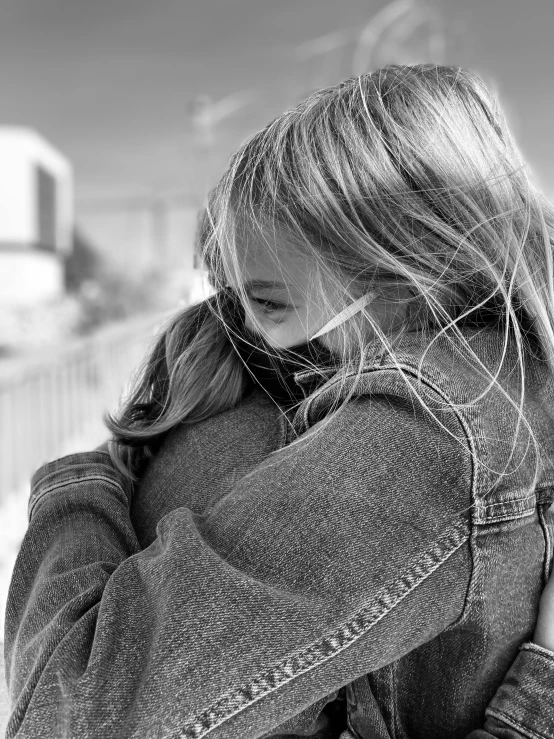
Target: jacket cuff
(74, 469)
(524, 700)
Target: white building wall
(21, 150)
(29, 273)
(16, 200)
(29, 278)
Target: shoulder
(441, 373)
(382, 439)
(440, 394)
(399, 394)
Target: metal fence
(50, 402)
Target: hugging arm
(227, 624)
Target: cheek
(288, 332)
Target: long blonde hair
(406, 176)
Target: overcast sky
(108, 82)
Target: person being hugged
(383, 275)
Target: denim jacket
(377, 569)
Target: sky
(110, 82)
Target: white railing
(51, 401)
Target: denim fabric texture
(371, 575)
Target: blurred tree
(82, 263)
(113, 296)
(105, 292)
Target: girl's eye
(269, 306)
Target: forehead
(268, 259)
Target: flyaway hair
(407, 176)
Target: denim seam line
(39, 496)
(514, 723)
(511, 515)
(462, 420)
(515, 508)
(71, 461)
(327, 647)
(543, 653)
(537, 493)
(501, 503)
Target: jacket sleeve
(523, 705)
(317, 567)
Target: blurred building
(36, 218)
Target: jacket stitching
(35, 498)
(328, 646)
(514, 515)
(501, 716)
(515, 508)
(503, 503)
(546, 654)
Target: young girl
(385, 238)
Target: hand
(544, 630)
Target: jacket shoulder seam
(42, 494)
(463, 421)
